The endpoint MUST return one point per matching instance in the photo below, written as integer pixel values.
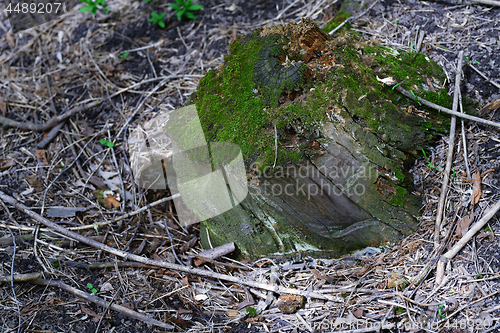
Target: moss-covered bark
(322, 100)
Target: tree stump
(326, 145)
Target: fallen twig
(420, 40)
(127, 215)
(458, 246)
(167, 265)
(443, 109)
(449, 159)
(103, 303)
(26, 125)
(484, 76)
(352, 18)
(488, 2)
(20, 277)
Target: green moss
(399, 198)
(234, 107)
(340, 17)
(440, 97)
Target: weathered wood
(345, 141)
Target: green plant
(94, 6)
(439, 311)
(399, 310)
(472, 61)
(429, 162)
(91, 287)
(124, 54)
(185, 9)
(157, 19)
(107, 143)
(251, 312)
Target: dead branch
(449, 159)
(167, 265)
(26, 125)
(20, 277)
(445, 258)
(445, 110)
(101, 302)
(488, 2)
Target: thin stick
(167, 265)
(352, 18)
(443, 109)
(420, 40)
(461, 243)
(449, 159)
(20, 277)
(127, 215)
(103, 303)
(26, 125)
(484, 76)
(464, 142)
(488, 2)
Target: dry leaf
(487, 234)
(41, 155)
(97, 182)
(476, 189)
(3, 107)
(464, 224)
(358, 313)
(10, 39)
(111, 200)
(107, 198)
(185, 281)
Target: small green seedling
(411, 46)
(428, 162)
(251, 312)
(443, 47)
(472, 61)
(185, 9)
(399, 310)
(106, 143)
(415, 96)
(124, 54)
(91, 287)
(96, 227)
(453, 178)
(94, 6)
(157, 19)
(439, 311)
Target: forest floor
(139, 70)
